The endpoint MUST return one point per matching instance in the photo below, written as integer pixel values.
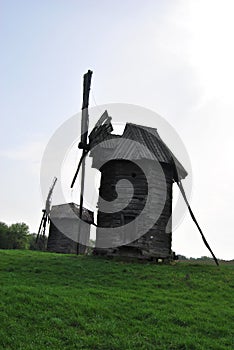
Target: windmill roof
(141, 142)
(109, 141)
(153, 147)
(70, 211)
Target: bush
(17, 236)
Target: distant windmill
(45, 216)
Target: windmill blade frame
(46, 211)
(84, 154)
(85, 115)
(83, 141)
(102, 127)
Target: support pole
(83, 145)
(178, 181)
(195, 221)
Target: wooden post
(83, 143)
(178, 181)
(196, 223)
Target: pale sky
(173, 57)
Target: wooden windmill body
(141, 157)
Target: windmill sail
(101, 130)
(83, 142)
(85, 114)
(46, 212)
(84, 123)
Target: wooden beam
(83, 144)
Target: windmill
(101, 132)
(45, 215)
(99, 128)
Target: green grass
(51, 301)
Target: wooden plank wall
(61, 243)
(156, 242)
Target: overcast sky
(174, 57)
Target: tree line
(17, 236)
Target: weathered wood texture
(64, 228)
(60, 243)
(150, 193)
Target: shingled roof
(147, 145)
(70, 211)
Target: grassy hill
(51, 301)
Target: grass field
(51, 301)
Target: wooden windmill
(117, 161)
(40, 240)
